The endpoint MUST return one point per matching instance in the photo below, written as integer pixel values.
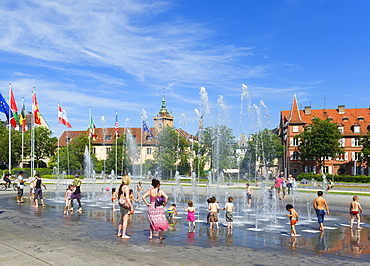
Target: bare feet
(162, 237)
(119, 235)
(150, 237)
(126, 237)
(359, 227)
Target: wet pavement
(43, 235)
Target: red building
(353, 123)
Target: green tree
(44, 144)
(320, 141)
(265, 147)
(220, 146)
(364, 157)
(171, 149)
(122, 158)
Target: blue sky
(118, 55)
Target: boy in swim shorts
(355, 209)
(293, 216)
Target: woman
(157, 219)
(38, 190)
(125, 209)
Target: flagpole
(141, 147)
(90, 140)
(58, 138)
(10, 133)
(24, 121)
(116, 141)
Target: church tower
(163, 119)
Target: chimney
(307, 110)
(341, 109)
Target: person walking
(126, 207)
(158, 200)
(77, 194)
(38, 190)
(20, 187)
(320, 205)
(290, 183)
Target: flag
(62, 117)
(35, 108)
(13, 105)
(22, 117)
(145, 128)
(91, 127)
(4, 108)
(116, 126)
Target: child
(271, 192)
(229, 207)
(213, 212)
(68, 198)
(293, 215)
(249, 195)
(32, 191)
(172, 211)
(131, 195)
(355, 209)
(190, 210)
(114, 197)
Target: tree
(122, 156)
(44, 144)
(264, 147)
(320, 141)
(364, 157)
(171, 149)
(220, 147)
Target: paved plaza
(44, 236)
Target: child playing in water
(67, 198)
(114, 197)
(172, 211)
(213, 212)
(293, 215)
(191, 210)
(131, 195)
(355, 209)
(229, 207)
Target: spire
(163, 109)
(295, 116)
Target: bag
(123, 202)
(159, 201)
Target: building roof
(295, 116)
(347, 118)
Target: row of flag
(13, 117)
(12, 111)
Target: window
(342, 142)
(295, 129)
(295, 155)
(341, 129)
(94, 150)
(326, 169)
(295, 142)
(360, 118)
(108, 150)
(68, 140)
(148, 138)
(343, 157)
(108, 138)
(295, 170)
(356, 129)
(356, 142)
(134, 136)
(148, 151)
(345, 118)
(310, 169)
(355, 156)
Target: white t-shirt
(20, 182)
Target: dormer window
(360, 118)
(356, 128)
(345, 118)
(331, 118)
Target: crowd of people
(158, 199)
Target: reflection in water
(321, 243)
(356, 247)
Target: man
(7, 179)
(320, 205)
(77, 194)
(249, 195)
(290, 183)
(20, 187)
(278, 183)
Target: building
(353, 123)
(103, 139)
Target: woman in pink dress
(157, 219)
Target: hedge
(335, 178)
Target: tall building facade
(352, 123)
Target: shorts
(213, 217)
(354, 212)
(76, 196)
(38, 193)
(32, 191)
(320, 216)
(293, 222)
(229, 217)
(249, 196)
(124, 211)
(20, 192)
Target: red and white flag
(62, 117)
